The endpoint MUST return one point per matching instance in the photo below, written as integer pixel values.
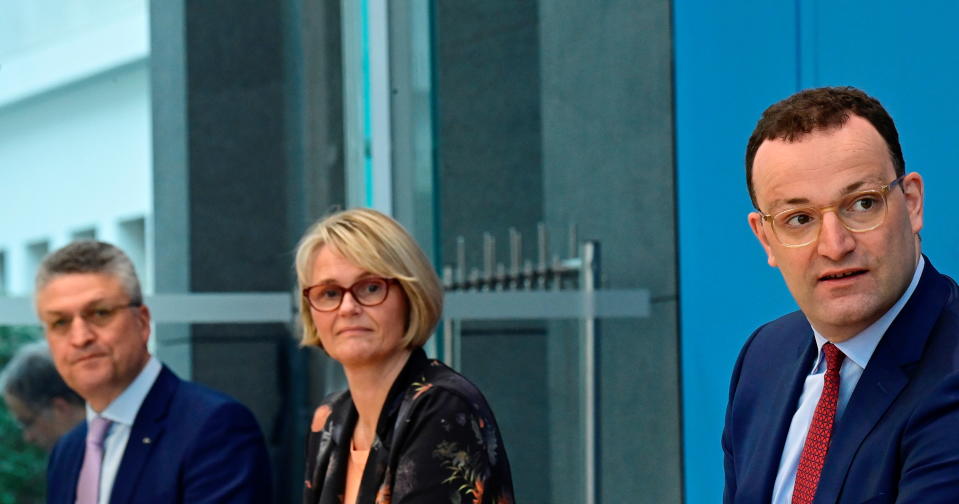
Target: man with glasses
(148, 436)
(855, 397)
(37, 398)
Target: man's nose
(835, 240)
(80, 332)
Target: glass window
(84, 234)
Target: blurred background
(204, 136)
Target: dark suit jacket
(898, 440)
(436, 442)
(188, 444)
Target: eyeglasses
(96, 316)
(367, 292)
(858, 212)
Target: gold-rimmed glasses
(858, 212)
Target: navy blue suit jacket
(898, 440)
(188, 444)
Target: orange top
(354, 473)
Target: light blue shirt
(858, 350)
(122, 412)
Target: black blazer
(436, 441)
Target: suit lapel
(146, 431)
(784, 396)
(73, 454)
(886, 375)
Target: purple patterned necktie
(88, 485)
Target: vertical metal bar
(460, 260)
(458, 345)
(542, 251)
(448, 341)
(441, 347)
(378, 81)
(354, 123)
(590, 393)
(447, 277)
(452, 340)
(489, 260)
(515, 257)
(571, 240)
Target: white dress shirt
(858, 350)
(122, 412)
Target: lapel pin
(146, 440)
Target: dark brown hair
(819, 109)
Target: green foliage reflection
(22, 466)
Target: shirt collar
(124, 408)
(860, 347)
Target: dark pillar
(246, 153)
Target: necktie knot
(834, 357)
(97, 430)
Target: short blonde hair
(378, 244)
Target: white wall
(75, 142)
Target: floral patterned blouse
(436, 442)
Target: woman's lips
(354, 329)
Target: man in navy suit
(854, 398)
(149, 436)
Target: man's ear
(756, 224)
(143, 314)
(913, 190)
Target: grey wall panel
(487, 65)
(561, 111)
(247, 152)
(608, 167)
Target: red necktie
(820, 430)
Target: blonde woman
(408, 429)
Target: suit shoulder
(75, 435)
(772, 345)
(202, 402)
(952, 296)
(789, 322)
(777, 332)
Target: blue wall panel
(733, 59)
(907, 58)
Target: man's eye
(59, 323)
(797, 220)
(864, 204)
(101, 314)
